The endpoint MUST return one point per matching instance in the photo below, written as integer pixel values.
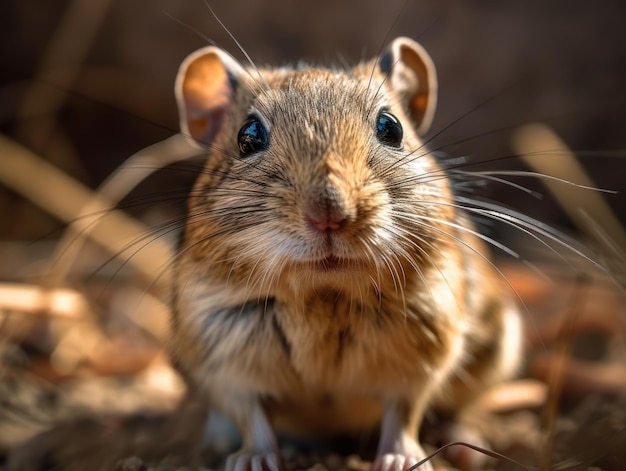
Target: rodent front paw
(400, 462)
(248, 460)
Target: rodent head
(314, 176)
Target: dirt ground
(112, 401)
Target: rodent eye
(252, 137)
(388, 129)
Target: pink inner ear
(198, 126)
(204, 128)
(418, 106)
(207, 94)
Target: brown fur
(409, 313)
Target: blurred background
(85, 84)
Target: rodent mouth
(335, 264)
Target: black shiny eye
(252, 137)
(388, 129)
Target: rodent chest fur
(323, 252)
(327, 341)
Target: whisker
(240, 47)
(424, 222)
(384, 42)
(471, 111)
(178, 224)
(429, 255)
(467, 163)
(183, 250)
(484, 176)
(542, 176)
(522, 222)
(384, 256)
(532, 228)
(404, 235)
(194, 30)
(372, 103)
(460, 227)
(443, 173)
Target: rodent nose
(326, 217)
(326, 223)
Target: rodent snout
(325, 219)
(328, 211)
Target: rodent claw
(245, 460)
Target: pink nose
(327, 222)
(326, 217)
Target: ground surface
(117, 403)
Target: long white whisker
(524, 173)
(479, 175)
(527, 225)
(458, 240)
(489, 240)
(405, 235)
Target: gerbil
(326, 279)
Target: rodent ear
(205, 88)
(413, 78)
